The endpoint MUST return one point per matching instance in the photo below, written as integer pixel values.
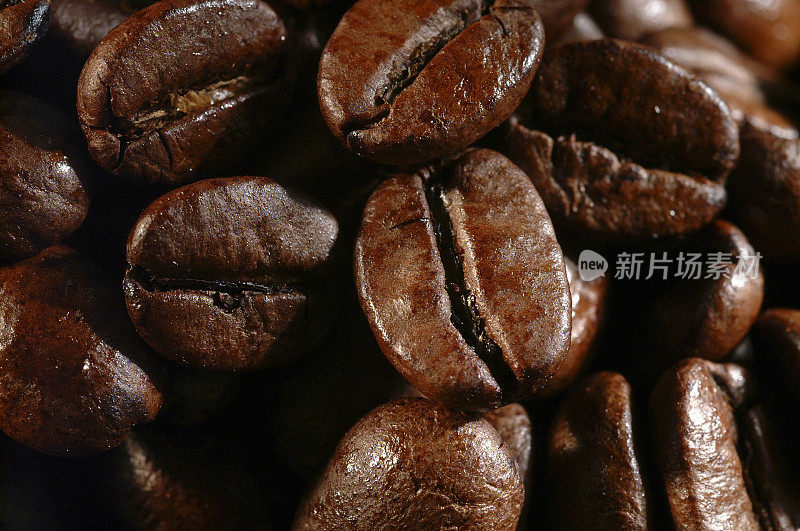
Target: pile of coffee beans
(400, 264)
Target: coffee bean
(620, 160)
(582, 28)
(183, 88)
(633, 19)
(557, 15)
(588, 302)
(412, 464)
(715, 450)
(404, 83)
(514, 426)
(23, 23)
(776, 339)
(768, 30)
(43, 189)
(82, 24)
(74, 377)
(707, 317)
(460, 275)
(593, 462)
(231, 274)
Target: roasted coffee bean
(403, 83)
(588, 308)
(557, 15)
(768, 30)
(717, 453)
(620, 160)
(183, 88)
(82, 24)
(513, 425)
(463, 282)
(593, 462)
(776, 340)
(412, 464)
(43, 176)
(633, 19)
(189, 479)
(22, 24)
(231, 274)
(74, 376)
(707, 317)
(582, 28)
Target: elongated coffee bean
(74, 377)
(183, 88)
(412, 464)
(231, 274)
(409, 82)
(22, 24)
(460, 275)
(621, 160)
(44, 182)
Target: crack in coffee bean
(155, 283)
(465, 315)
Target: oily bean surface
(22, 25)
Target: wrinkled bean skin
(231, 274)
(592, 459)
(44, 179)
(22, 25)
(583, 104)
(444, 76)
(75, 378)
(414, 464)
(217, 93)
(480, 315)
(708, 318)
(633, 19)
(768, 30)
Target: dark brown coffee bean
(412, 464)
(403, 83)
(231, 274)
(75, 378)
(618, 159)
(183, 88)
(43, 176)
(188, 479)
(768, 30)
(82, 24)
(463, 282)
(776, 339)
(557, 15)
(633, 19)
(717, 451)
(707, 318)
(593, 462)
(22, 24)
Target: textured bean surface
(22, 25)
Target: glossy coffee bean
(231, 274)
(403, 83)
(188, 479)
(717, 451)
(768, 30)
(588, 310)
(707, 318)
(183, 88)
(412, 464)
(593, 461)
(633, 19)
(620, 160)
(776, 340)
(43, 176)
(463, 282)
(82, 24)
(23, 23)
(75, 378)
